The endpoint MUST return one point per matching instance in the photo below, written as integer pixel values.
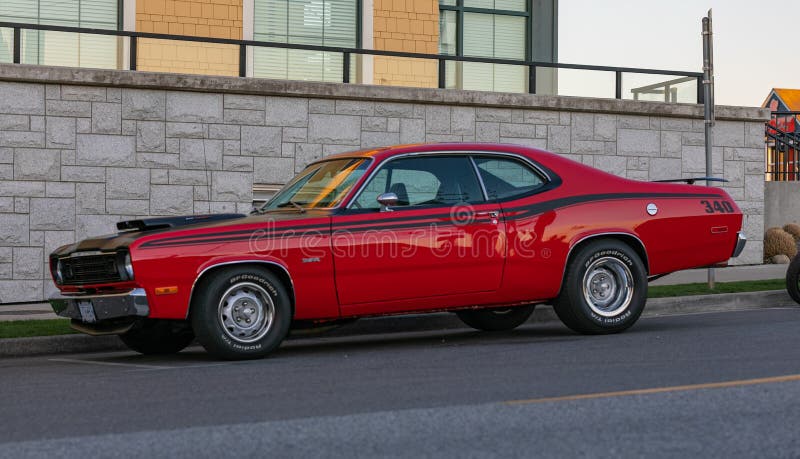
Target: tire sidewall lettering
(619, 318)
(614, 253)
(239, 347)
(256, 280)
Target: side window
(423, 181)
(506, 177)
(414, 186)
(376, 186)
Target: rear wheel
(496, 319)
(793, 279)
(604, 290)
(241, 313)
(152, 336)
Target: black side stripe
(514, 213)
(547, 206)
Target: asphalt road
(702, 385)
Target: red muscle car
(486, 231)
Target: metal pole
(708, 102)
(532, 79)
(242, 60)
(17, 45)
(346, 68)
(132, 54)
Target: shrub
(793, 229)
(777, 241)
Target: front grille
(90, 269)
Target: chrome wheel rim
(246, 312)
(608, 286)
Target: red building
(783, 135)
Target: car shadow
(548, 333)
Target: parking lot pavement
(711, 385)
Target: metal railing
(667, 90)
(347, 53)
(782, 144)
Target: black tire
(154, 337)
(496, 319)
(241, 313)
(793, 278)
(619, 299)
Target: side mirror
(387, 200)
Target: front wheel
(154, 337)
(241, 313)
(496, 319)
(793, 279)
(604, 290)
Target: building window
(486, 28)
(62, 48)
(310, 22)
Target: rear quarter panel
(684, 235)
(679, 237)
(590, 203)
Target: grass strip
(664, 291)
(26, 328)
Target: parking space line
(114, 364)
(659, 390)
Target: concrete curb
(68, 344)
(60, 344)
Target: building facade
(512, 29)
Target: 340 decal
(722, 207)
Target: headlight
(59, 277)
(128, 266)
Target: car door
(442, 238)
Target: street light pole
(708, 102)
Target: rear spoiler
(690, 181)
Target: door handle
(490, 214)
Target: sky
(753, 43)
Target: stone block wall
(781, 205)
(76, 159)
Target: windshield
(320, 185)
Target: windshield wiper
(294, 204)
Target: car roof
(382, 153)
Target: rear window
(507, 177)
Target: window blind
(311, 22)
(61, 48)
(500, 36)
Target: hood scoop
(148, 224)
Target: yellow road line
(659, 390)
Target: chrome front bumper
(740, 243)
(97, 308)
